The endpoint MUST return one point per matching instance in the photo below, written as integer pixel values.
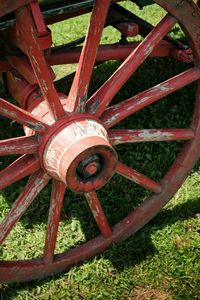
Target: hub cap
(79, 154)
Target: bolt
(91, 168)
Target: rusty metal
(68, 138)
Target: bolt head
(91, 168)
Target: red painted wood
(38, 19)
(57, 196)
(69, 142)
(128, 29)
(23, 66)
(123, 136)
(105, 52)
(106, 93)
(34, 269)
(138, 178)
(20, 168)
(21, 116)
(9, 6)
(79, 89)
(98, 214)
(108, 52)
(25, 31)
(118, 112)
(20, 89)
(19, 145)
(35, 184)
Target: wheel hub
(89, 166)
(78, 153)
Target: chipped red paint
(20, 168)
(123, 136)
(98, 214)
(57, 196)
(138, 178)
(114, 114)
(80, 85)
(106, 93)
(26, 32)
(108, 52)
(23, 66)
(21, 116)
(19, 145)
(62, 151)
(104, 53)
(58, 139)
(35, 184)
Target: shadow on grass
(139, 246)
(131, 252)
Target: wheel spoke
(100, 100)
(57, 196)
(21, 116)
(118, 112)
(138, 178)
(35, 184)
(123, 136)
(28, 36)
(78, 93)
(20, 168)
(19, 145)
(98, 214)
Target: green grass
(161, 261)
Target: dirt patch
(149, 293)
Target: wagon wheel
(75, 146)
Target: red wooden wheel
(70, 141)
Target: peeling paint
(110, 120)
(149, 134)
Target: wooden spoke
(98, 214)
(20, 168)
(35, 184)
(78, 93)
(21, 116)
(27, 34)
(57, 196)
(123, 136)
(138, 178)
(19, 145)
(100, 100)
(118, 112)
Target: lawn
(161, 261)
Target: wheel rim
(163, 191)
